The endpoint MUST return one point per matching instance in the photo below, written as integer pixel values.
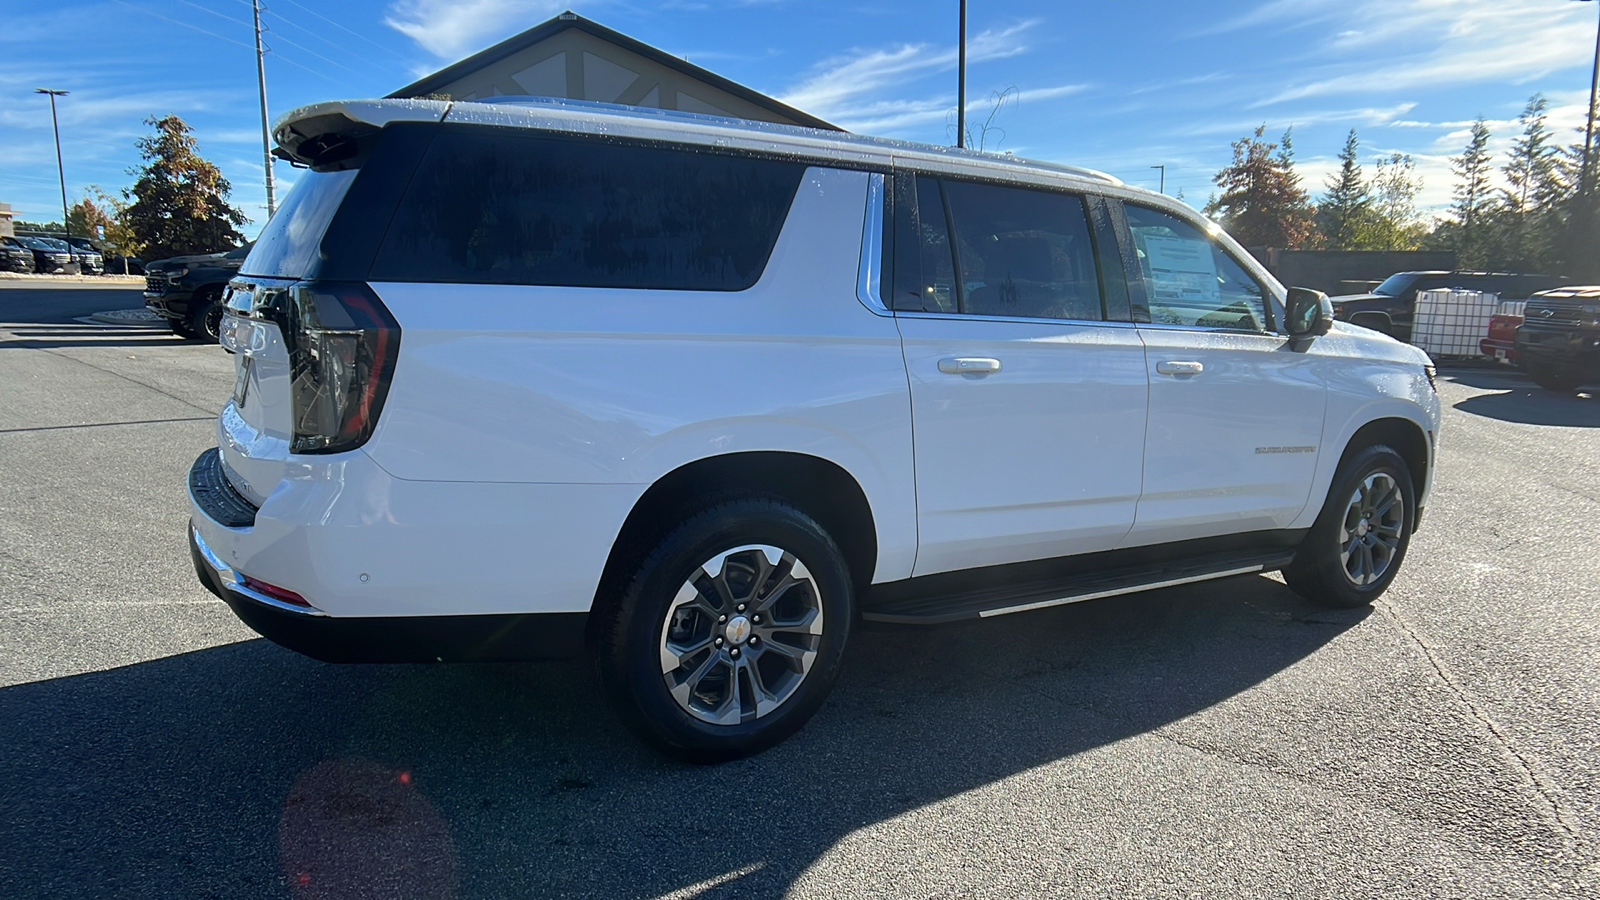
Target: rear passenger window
(1190, 280)
(1023, 252)
(492, 207)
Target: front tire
(730, 633)
(205, 323)
(1354, 550)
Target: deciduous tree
(1262, 204)
(180, 200)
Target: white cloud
(1427, 43)
(839, 89)
(455, 28)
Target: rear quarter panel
(518, 384)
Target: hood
(1351, 298)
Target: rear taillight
(342, 346)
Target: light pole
(1163, 177)
(961, 80)
(60, 172)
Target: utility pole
(1163, 169)
(261, 82)
(1585, 184)
(60, 172)
(961, 81)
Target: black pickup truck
(1559, 338)
(1391, 305)
(187, 290)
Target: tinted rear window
(495, 207)
(288, 246)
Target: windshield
(37, 243)
(239, 252)
(1396, 284)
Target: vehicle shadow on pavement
(1536, 406)
(247, 770)
(55, 336)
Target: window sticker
(1182, 270)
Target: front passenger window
(1191, 281)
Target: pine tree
(1523, 216)
(1260, 203)
(1472, 197)
(1347, 203)
(180, 202)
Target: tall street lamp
(1163, 177)
(60, 172)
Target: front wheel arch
(1406, 437)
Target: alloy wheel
(741, 634)
(1370, 535)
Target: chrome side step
(906, 604)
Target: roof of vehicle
(1575, 292)
(300, 127)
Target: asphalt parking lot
(1219, 740)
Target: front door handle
(969, 365)
(1179, 367)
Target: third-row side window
(488, 206)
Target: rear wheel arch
(818, 487)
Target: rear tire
(1561, 380)
(730, 632)
(1354, 550)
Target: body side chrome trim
(1027, 320)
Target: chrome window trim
(1163, 326)
(869, 272)
(1025, 320)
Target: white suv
(521, 378)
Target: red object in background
(1501, 344)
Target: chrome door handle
(1179, 367)
(969, 365)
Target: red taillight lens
(275, 592)
(342, 347)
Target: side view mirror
(1308, 313)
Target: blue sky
(1115, 86)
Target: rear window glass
(288, 246)
(491, 207)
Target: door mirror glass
(1309, 313)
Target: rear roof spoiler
(334, 134)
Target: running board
(1004, 599)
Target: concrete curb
(140, 316)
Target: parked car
(186, 291)
(1559, 340)
(89, 258)
(14, 257)
(118, 264)
(1390, 306)
(48, 256)
(517, 379)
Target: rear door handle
(969, 365)
(1179, 367)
